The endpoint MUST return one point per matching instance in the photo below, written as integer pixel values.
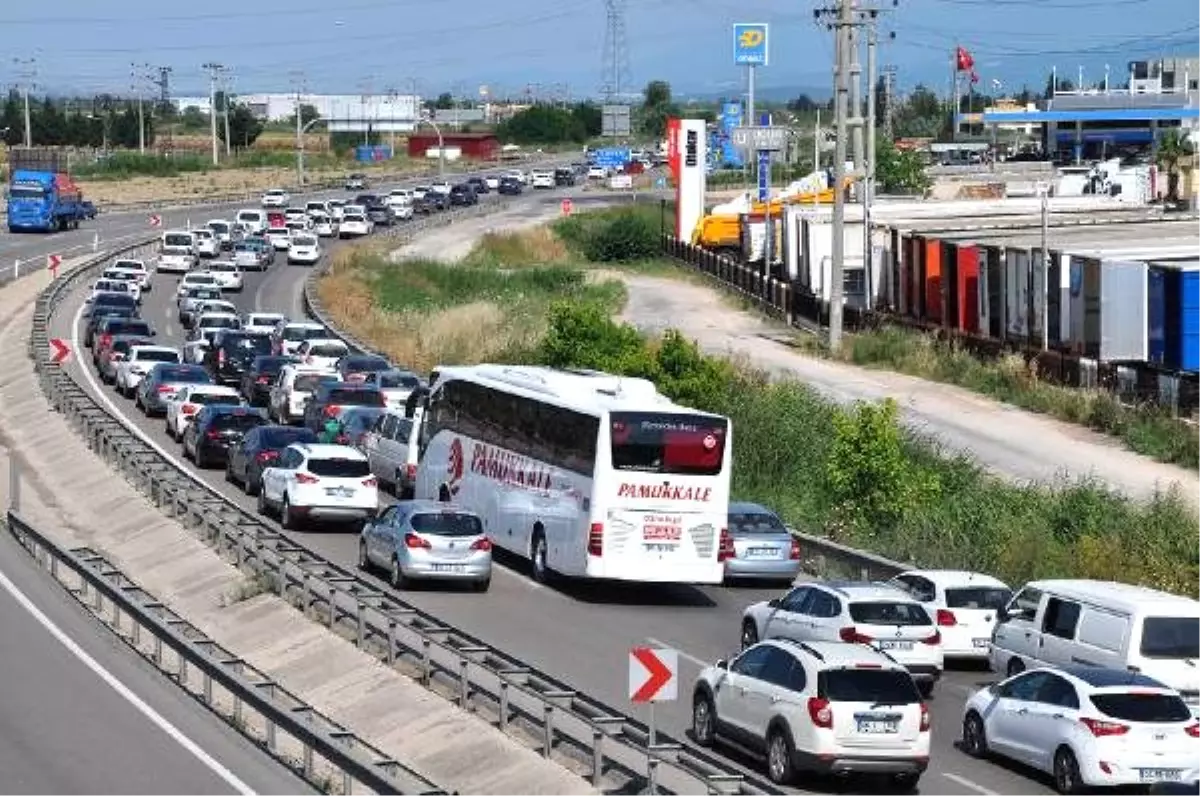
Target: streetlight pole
(213, 69)
(300, 131)
(441, 144)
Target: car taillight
(213, 434)
(414, 542)
(925, 721)
(726, 550)
(936, 638)
(820, 712)
(267, 456)
(221, 357)
(410, 470)
(482, 545)
(946, 618)
(850, 635)
(382, 399)
(105, 339)
(370, 482)
(794, 554)
(305, 478)
(116, 356)
(596, 539)
(189, 409)
(162, 388)
(330, 411)
(263, 380)
(1193, 730)
(341, 439)
(1101, 728)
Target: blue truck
(41, 194)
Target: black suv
(479, 184)
(564, 177)
(332, 396)
(510, 186)
(380, 213)
(438, 200)
(463, 195)
(101, 314)
(260, 377)
(216, 429)
(231, 354)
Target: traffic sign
(764, 175)
(155, 220)
(661, 182)
(53, 261)
(653, 674)
(760, 138)
(566, 207)
(61, 350)
(750, 44)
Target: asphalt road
(87, 715)
(580, 633)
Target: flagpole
(954, 93)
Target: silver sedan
(427, 540)
(764, 548)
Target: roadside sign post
(155, 220)
(653, 677)
(53, 261)
(566, 207)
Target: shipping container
(912, 268)
(933, 279)
(967, 288)
(991, 273)
(1189, 320)
(1173, 327)
(1016, 294)
(1124, 304)
(1161, 285)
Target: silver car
(427, 540)
(764, 548)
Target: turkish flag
(963, 60)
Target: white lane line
(968, 784)
(685, 655)
(124, 691)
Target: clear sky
(357, 46)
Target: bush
(620, 235)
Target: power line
(616, 52)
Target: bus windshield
(669, 444)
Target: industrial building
(475, 146)
(382, 113)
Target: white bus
(586, 474)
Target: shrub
(625, 238)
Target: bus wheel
(541, 572)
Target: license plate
(761, 552)
(983, 643)
(660, 548)
(878, 726)
(895, 645)
(1160, 774)
(339, 491)
(449, 568)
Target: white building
(342, 112)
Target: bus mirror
(723, 664)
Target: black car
(259, 449)
(380, 213)
(98, 316)
(258, 378)
(366, 199)
(232, 352)
(479, 184)
(110, 327)
(422, 206)
(217, 428)
(463, 195)
(510, 186)
(332, 396)
(564, 177)
(89, 209)
(355, 367)
(101, 300)
(438, 200)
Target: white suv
(855, 612)
(138, 362)
(319, 482)
(964, 606)
(825, 707)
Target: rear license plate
(878, 727)
(983, 643)
(339, 491)
(452, 568)
(1159, 774)
(761, 552)
(660, 548)
(895, 645)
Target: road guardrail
(227, 685)
(545, 713)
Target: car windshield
(207, 398)
(279, 437)
(1171, 637)
(309, 381)
(182, 241)
(671, 444)
(360, 420)
(297, 333)
(184, 375)
(398, 381)
(218, 323)
(354, 398)
(364, 364)
(270, 364)
(219, 227)
(888, 613)
(200, 279)
(339, 468)
(446, 523)
(139, 328)
(204, 293)
(886, 686)
(304, 240)
(246, 344)
(223, 267)
(264, 320)
(992, 599)
(156, 356)
(237, 421)
(1146, 707)
(245, 247)
(755, 522)
(327, 350)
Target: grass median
(849, 473)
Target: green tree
(922, 115)
(899, 172)
(804, 104)
(444, 101)
(589, 115)
(12, 121)
(1172, 150)
(549, 124)
(1064, 84)
(193, 118)
(49, 125)
(244, 126)
(657, 107)
(308, 114)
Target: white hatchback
(319, 482)
(197, 279)
(322, 352)
(183, 406)
(227, 274)
(138, 362)
(303, 249)
(964, 606)
(354, 225)
(207, 244)
(280, 238)
(275, 197)
(262, 322)
(175, 260)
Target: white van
(391, 448)
(1105, 624)
(252, 220)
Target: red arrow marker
(660, 674)
(61, 350)
(53, 261)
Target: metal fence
(581, 732)
(285, 726)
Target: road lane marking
(968, 784)
(686, 656)
(124, 691)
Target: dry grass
(536, 246)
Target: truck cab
(43, 201)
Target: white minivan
(1102, 623)
(252, 220)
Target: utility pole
(1043, 189)
(27, 72)
(889, 88)
(225, 81)
(843, 22)
(164, 101)
(854, 52)
(213, 70)
(298, 81)
(817, 142)
(137, 78)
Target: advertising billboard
(731, 118)
(750, 44)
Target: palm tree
(1173, 149)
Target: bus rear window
(670, 444)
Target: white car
(292, 389)
(963, 605)
(402, 212)
(322, 352)
(295, 214)
(441, 186)
(492, 181)
(280, 238)
(252, 220)
(183, 405)
(320, 483)
(208, 324)
(136, 267)
(325, 225)
(288, 335)
(194, 351)
(113, 284)
(400, 196)
(276, 197)
(336, 208)
(517, 175)
(247, 256)
(303, 249)
(395, 384)
(312, 207)
(1087, 727)
(822, 707)
(223, 231)
(857, 613)
(542, 179)
(354, 225)
(262, 322)
(209, 307)
(138, 362)
(197, 279)
(206, 243)
(227, 274)
(421, 191)
(175, 260)
(129, 276)
(296, 226)
(597, 173)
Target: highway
(81, 713)
(580, 633)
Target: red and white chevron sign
(53, 261)
(156, 220)
(653, 674)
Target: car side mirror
(1002, 615)
(774, 603)
(723, 664)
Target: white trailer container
(1124, 303)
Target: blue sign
(614, 157)
(731, 118)
(764, 176)
(661, 182)
(750, 44)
